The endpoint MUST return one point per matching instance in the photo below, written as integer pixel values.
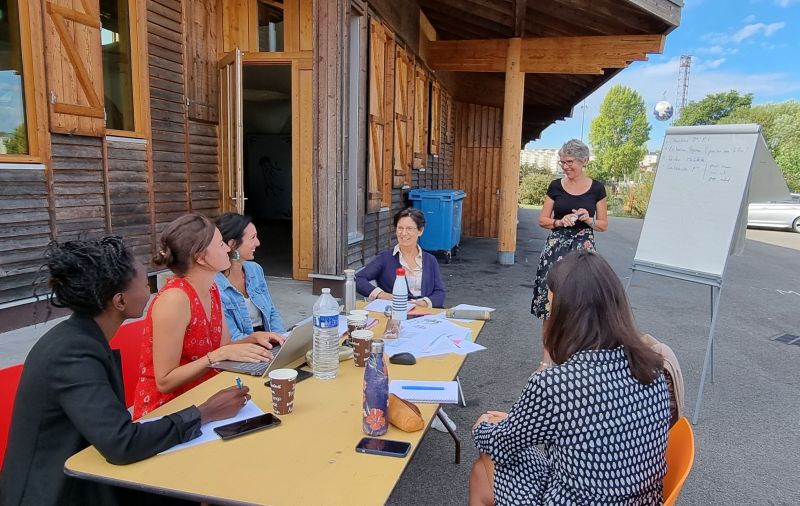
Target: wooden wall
(477, 167)
(128, 193)
(24, 230)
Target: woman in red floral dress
(185, 331)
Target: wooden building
(313, 116)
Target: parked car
(785, 214)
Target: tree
(780, 124)
(619, 135)
(17, 143)
(713, 108)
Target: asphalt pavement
(748, 433)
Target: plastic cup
(362, 312)
(361, 340)
(282, 382)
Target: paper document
(425, 391)
(431, 335)
(378, 305)
(248, 411)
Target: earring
(235, 255)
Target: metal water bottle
(376, 392)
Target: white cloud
(786, 3)
(753, 29)
(711, 50)
(750, 18)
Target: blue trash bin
(442, 209)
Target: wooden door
(302, 169)
(231, 132)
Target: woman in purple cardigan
(425, 286)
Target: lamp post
(583, 108)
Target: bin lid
(448, 194)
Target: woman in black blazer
(71, 395)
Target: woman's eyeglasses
(402, 230)
(567, 162)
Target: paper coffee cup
(361, 340)
(282, 382)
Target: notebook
(438, 392)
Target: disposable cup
(282, 382)
(361, 340)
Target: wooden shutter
(74, 63)
(420, 145)
(403, 124)
(388, 115)
(436, 117)
(377, 65)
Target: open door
(231, 132)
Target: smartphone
(383, 447)
(302, 374)
(243, 427)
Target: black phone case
(225, 437)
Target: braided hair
(85, 275)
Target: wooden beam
(668, 11)
(520, 6)
(545, 55)
(510, 147)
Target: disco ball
(663, 111)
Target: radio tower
(683, 82)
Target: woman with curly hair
(71, 393)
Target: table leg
(452, 434)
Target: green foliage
(17, 143)
(712, 108)
(641, 195)
(533, 188)
(619, 134)
(780, 124)
(530, 168)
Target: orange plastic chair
(9, 381)
(680, 457)
(128, 340)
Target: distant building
(543, 158)
(649, 162)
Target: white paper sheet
(248, 411)
(429, 336)
(378, 305)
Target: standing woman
(575, 206)
(185, 333)
(246, 301)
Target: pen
(238, 382)
(428, 348)
(420, 387)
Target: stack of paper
(431, 335)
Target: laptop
(296, 345)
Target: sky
(752, 46)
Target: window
(13, 127)
(270, 25)
(115, 38)
(355, 165)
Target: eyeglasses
(567, 162)
(401, 230)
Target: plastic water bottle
(325, 355)
(400, 296)
(349, 290)
(376, 392)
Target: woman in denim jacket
(246, 301)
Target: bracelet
(208, 356)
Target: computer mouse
(403, 359)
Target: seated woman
(71, 392)
(601, 411)
(185, 333)
(425, 286)
(246, 301)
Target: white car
(785, 214)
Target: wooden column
(329, 60)
(509, 166)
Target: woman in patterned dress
(185, 332)
(591, 429)
(575, 206)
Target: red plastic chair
(128, 340)
(9, 381)
(680, 457)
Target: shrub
(533, 188)
(640, 195)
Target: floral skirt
(560, 242)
